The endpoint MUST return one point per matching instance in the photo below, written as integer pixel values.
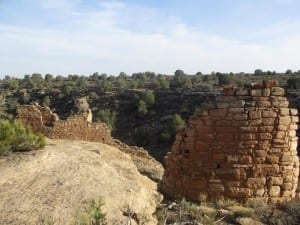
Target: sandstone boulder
(57, 180)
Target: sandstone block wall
(242, 146)
(76, 127)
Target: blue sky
(84, 36)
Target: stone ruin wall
(242, 146)
(76, 127)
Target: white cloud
(97, 42)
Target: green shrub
(293, 83)
(141, 136)
(149, 98)
(241, 211)
(15, 137)
(92, 214)
(165, 137)
(177, 121)
(108, 117)
(142, 109)
(169, 129)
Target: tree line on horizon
(141, 80)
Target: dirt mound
(56, 181)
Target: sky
(81, 37)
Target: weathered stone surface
(274, 191)
(254, 115)
(277, 91)
(256, 92)
(275, 181)
(293, 112)
(273, 159)
(76, 127)
(248, 150)
(242, 92)
(56, 181)
(256, 183)
(269, 114)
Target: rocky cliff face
(56, 181)
(241, 146)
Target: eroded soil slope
(57, 180)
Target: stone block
(218, 112)
(293, 146)
(222, 105)
(248, 109)
(237, 104)
(286, 157)
(277, 91)
(280, 134)
(292, 133)
(293, 112)
(245, 160)
(269, 114)
(287, 179)
(227, 172)
(266, 92)
(255, 183)
(272, 159)
(247, 137)
(295, 119)
(201, 146)
(260, 153)
(268, 121)
(293, 126)
(239, 192)
(265, 129)
(271, 170)
(250, 103)
(287, 186)
(240, 117)
(248, 129)
(232, 158)
(284, 112)
(286, 194)
(280, 104)
(275, 181)
(228, 91)
(236, 110)
(255, 122)
(240, 123)
(260, 192)
(264, 104)
(279, 142)
(270, 83)
(196, 184)
(242, 92)
(216, 187)
(282, 127)
(284, 120)
(256, 92)
(264, 136)
(218, 156)
(274, 191)
(254, 115)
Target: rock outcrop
(56, 181)
(241, 146)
